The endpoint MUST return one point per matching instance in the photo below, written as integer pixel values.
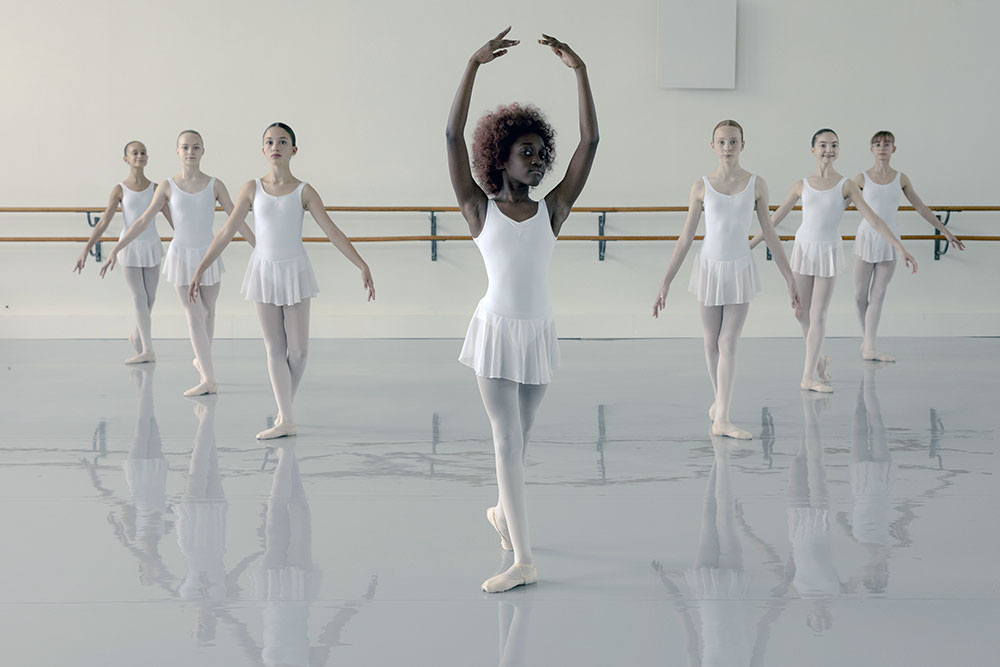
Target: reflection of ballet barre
(433, 211)
(99, 441)
(937, 428)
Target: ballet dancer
(818, 253)
(279, 277)
(725, 276)
(876, 259)
(511, 341)
(141, 259)
(192, 195)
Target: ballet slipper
(143, 358)
(136, 343)
(875, 355)
(711, 412)
(516, 575)
(817, 386)
(727, 430)
(822, 369)
(201, 389)
(279, 430)
(197, 366)
(499, 524)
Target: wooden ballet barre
(458, 237)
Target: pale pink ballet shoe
(500, 525)
(517, 575)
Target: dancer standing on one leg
(818, 253)
(279, 277)
(511, 342)
(876, 259)
(725, 276)
(192, 195)
(141, 259)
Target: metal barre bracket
(434, 231)
(602, 244)
(938, 241)
(93, 220)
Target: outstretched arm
(222, 196)
(160, 198)
(102, 226)
(471, 198)
(695, 203)
(853, 193)
(237, 218)
(791, 199)
(560, 200)
(925, 212)
(773, 242)
(313, 203)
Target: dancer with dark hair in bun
(141, 258)
(192, 196)
(279, 277)
(818, 253)
(511, 342)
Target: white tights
(142, 282)
(815, 293)
(201, 326)
(511, 407)
(723, 325)
(871, 281)
(286, 338)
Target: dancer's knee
(297, 356)
(508, 443)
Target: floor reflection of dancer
(816, 577)
(192, 195)
(818, 254)
(511, 342)
(141, 259)
(287, 579)
(718, 582)
(725, 277)
(514, 616)
(279, 277)
(876, 258)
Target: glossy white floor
(143, 528)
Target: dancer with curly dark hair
(511, 342)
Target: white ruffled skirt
(720, 282)
(871, 246)
(525, 351)
(817, 258)
(141, 253)
(180, 263)
(280, 282)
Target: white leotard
(279, 271)
(193, 215)
(512, 334)
(724, 271)
(145, 249)
(818, 249)
(869, 245)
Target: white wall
(367, 86)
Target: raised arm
(102, 226)
(925, 212)
(471, 198)
(695, 203)
(791, 199)
(160, 198)
(560, 200)
(853, 193)
(222, 196)
(237, 218)
(772, 240)
(312, 202)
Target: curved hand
(80, 262)
(908, 258)
(562, 49)
(494, 48)
(794, 293)
(660, 304)
(954, 241)
(109, 265)
(367, 283)
(193, 290)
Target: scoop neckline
(723, 194)
(193, 194)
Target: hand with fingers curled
(193, 289)
(112, 260)
(562, 49)
(660, 304)
(494, 48)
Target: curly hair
(497, 131)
